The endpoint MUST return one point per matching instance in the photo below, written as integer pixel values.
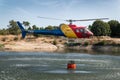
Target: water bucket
(71, 65)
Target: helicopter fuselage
(70, 31)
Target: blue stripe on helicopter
(56, 32)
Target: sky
(29, 10)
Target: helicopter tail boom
(56, 32)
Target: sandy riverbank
(43, 44)
(51, 44)
(30, 46)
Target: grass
(101, 43)
(1, 45)
(106, 43)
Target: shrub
(115, 28)
(54, 42)
(1, 45)
(72, 44)
(15, 38)
(4, 39)
(101, 43)
(86, 44)
(100, 28)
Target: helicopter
(69, 31)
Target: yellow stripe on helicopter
(67, 31)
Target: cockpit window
(77, 30)
(81, 30)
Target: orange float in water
(71, 65)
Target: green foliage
(1, 45)
(118, 30)
(49, 28)
(34, 27)
(26, 23)
(115, 44)
(54, 42)
(41, 28)
(72, 44)
(13, 28)
(4, 32)
(100, 28)
(86, 43)
(55, 27)
(36, 35)
(89, 27)
(115, 28)
(15, 38)
(101, 43)
(29, 28)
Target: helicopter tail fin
(22, 29)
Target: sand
(30, 46)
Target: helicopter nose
(91, 34)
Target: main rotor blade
(71, 20)
(51, 18)
(89, 19)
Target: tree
(56, 27)
(49, 27)
(89, 27)
(4, 32)
(100, 28)
(118, 30)
(41, 28)
(114, 26)
(29, 28)
(13, 28)
(26, 23)
(34, 27)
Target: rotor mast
(70, 21)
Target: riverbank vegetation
(1, 46)
(110, 28)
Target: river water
(52, 66)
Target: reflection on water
(53, 66)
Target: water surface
(52, 66)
